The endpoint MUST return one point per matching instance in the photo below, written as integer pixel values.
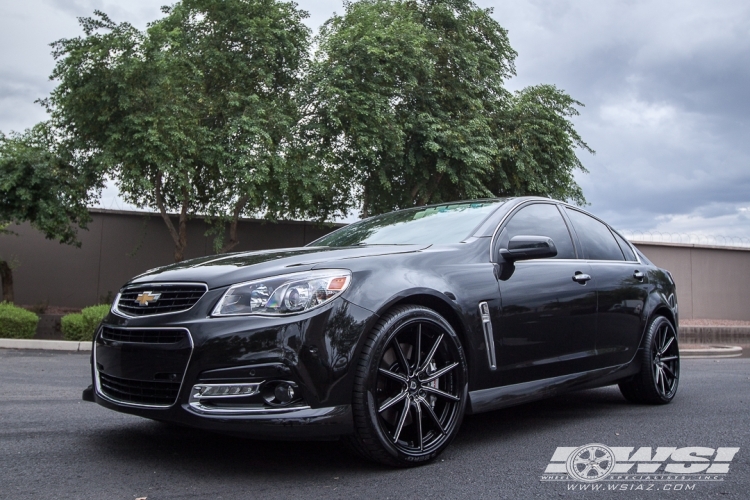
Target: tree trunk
(6, 275)
(179, 251)
(415, 192)
(233, 239)
(179, 238)
(365, 203)
(436, 178)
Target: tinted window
(450, 223)
(629, 255)
(541, 219)
(643, 258)
(596, 238)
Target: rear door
(622, 288)
(548, 319)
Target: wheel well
(662, 310)
(446, 311)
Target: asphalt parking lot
(52, 445)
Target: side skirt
(510, 395)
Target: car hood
(222, 270)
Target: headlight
(288, 294)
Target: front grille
(171, 298)
(138, 391)
(143, 336)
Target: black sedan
(388, 331)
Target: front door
(548, 317)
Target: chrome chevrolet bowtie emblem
(146, 298)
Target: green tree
(538, 146)
(46, 185)
(195, 114)
(407, 106)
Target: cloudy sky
(666, 88)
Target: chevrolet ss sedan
(386, 332)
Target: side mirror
(524, 247)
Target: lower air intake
(159, 393)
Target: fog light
(279, 393)
(284, 393)
(202, 391)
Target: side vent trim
(489, 337)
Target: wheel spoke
(431, 413)
(400, 354)
(419, 347)
(393, 375)
(661, 379)
(401, 420)
(436, 375)
(668, 370)
(418, 411)
(432, 352)
(438, 392)
(663, 336)
(392, 401)
(664, 349)
(669, 358)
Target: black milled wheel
(410, 388)
(659, 377)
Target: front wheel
(659, 377)
(410, 388)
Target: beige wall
(117, 246)
(712, 282)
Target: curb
(46, 345)
(727, 335)
(714, 351)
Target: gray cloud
(18, 109)
(667, 93)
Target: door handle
(581, 278)
(638, 275)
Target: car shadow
(538, 416)
(205, 453)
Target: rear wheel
(659, 377)
(410, 389)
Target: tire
(410, 388)
(656, 383)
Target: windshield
(435, 225)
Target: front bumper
(308, 423)
(313, 352)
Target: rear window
(625, 247)
(596, 238)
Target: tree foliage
(538, 144)
(407, 105)
(196, 113)
(44, 184)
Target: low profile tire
(659, 377)
(410, 388)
